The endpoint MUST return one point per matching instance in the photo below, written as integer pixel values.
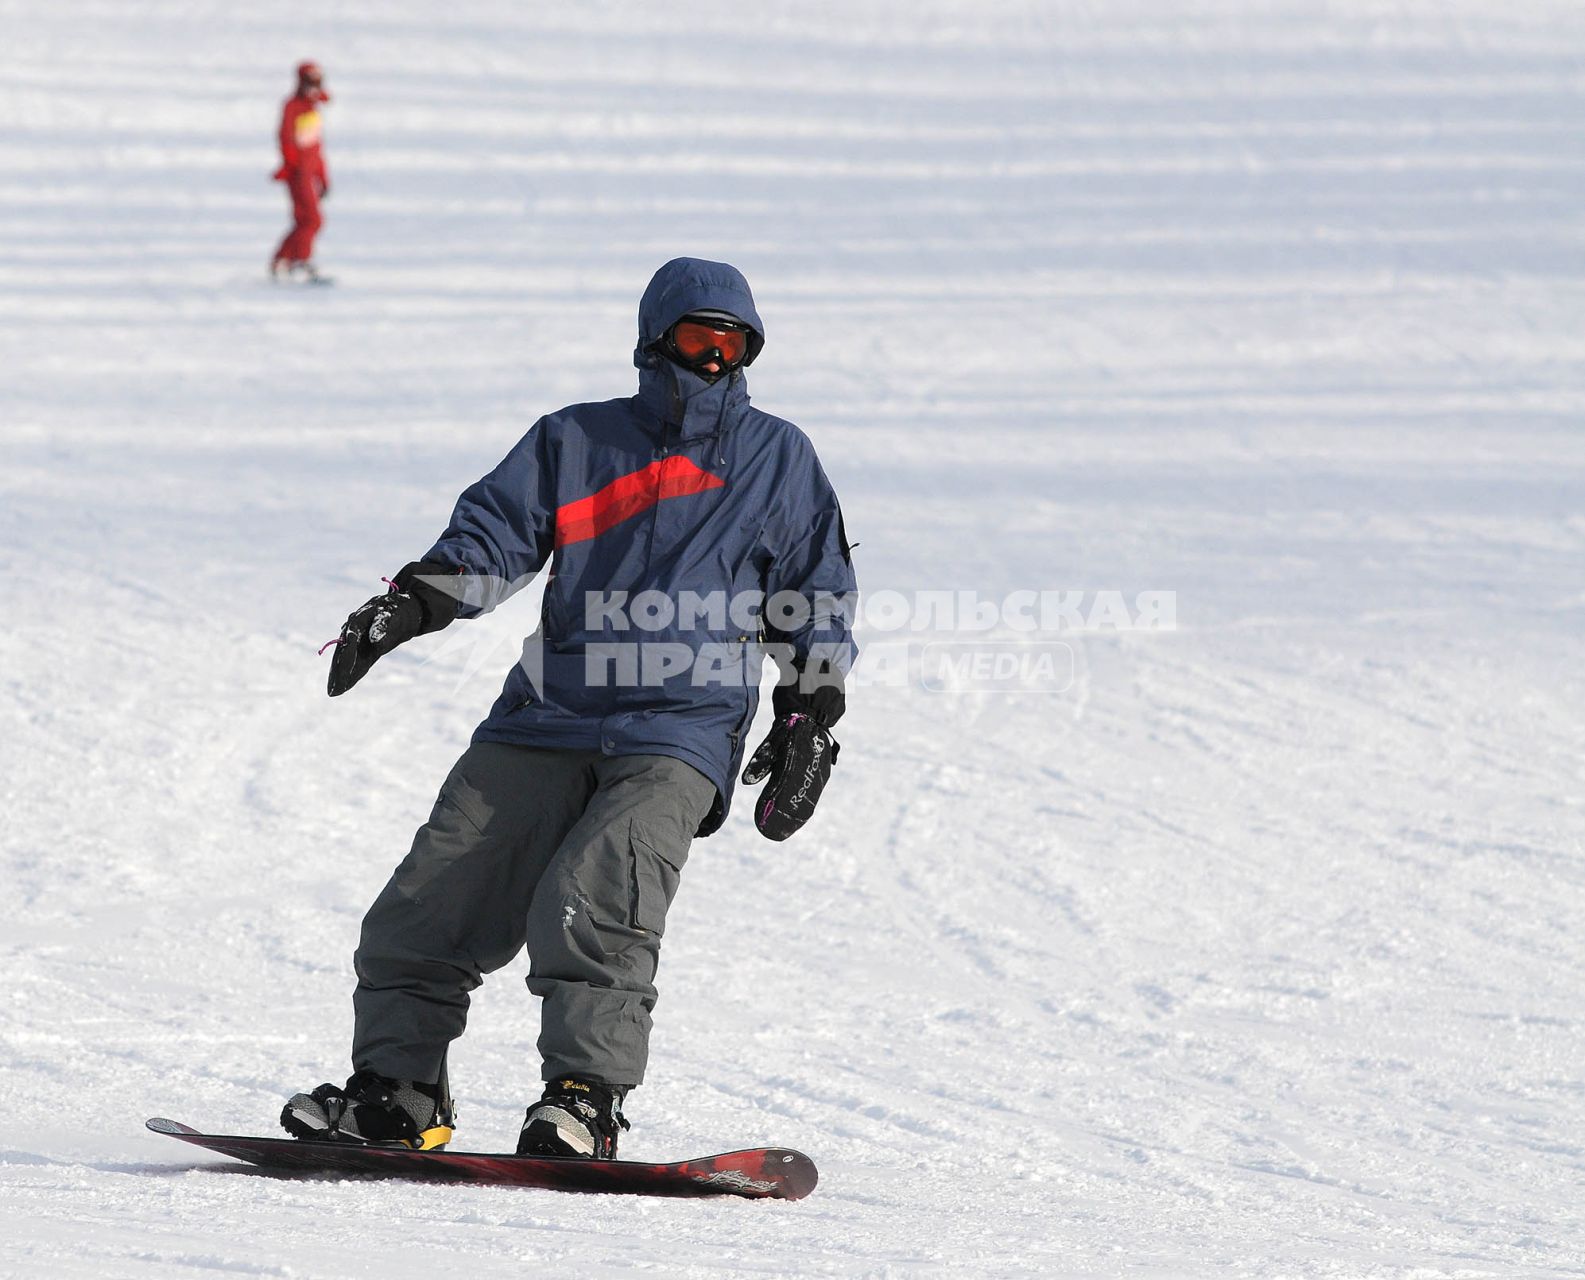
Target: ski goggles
(700, 341)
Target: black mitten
(796, 756)
(412, 607)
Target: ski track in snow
(1255, 953)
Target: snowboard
(758, 1173)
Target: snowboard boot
(288, 269)
(578, 1118)
(374, 1110)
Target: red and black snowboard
(760, 1173)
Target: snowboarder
(303, 171)
(565, 826)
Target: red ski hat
(310, 71)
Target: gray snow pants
(575, 854)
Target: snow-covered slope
(1254, 953)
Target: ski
(758, 1173)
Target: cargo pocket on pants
(454, 830)
(657, 870)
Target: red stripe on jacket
(626, 496)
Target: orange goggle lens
(695, 340)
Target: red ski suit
(303, 171)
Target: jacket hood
(684, 285)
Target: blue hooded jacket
(685, 491)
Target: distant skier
(303, 171)
(565, 826)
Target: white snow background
(1258, 952)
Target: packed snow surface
(1255, 951)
